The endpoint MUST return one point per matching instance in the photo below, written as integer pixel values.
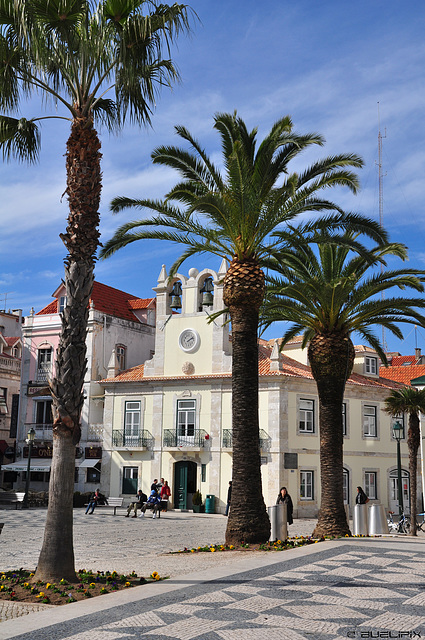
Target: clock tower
(187, 341)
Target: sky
(344, 70)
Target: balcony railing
(195, 438)
(44, 372)
(227, 439)
(10, 365)
(95, 433)
(143, 439)
(43, 431)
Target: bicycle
(403, 524)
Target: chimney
(417, 353)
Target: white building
(171, 415)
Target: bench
(12, 497)
(150, 506)
(113, 503)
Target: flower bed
(290, 543)
(20, 586)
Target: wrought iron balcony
(227, 439)
(44, 372)
(194, 438)
(143, 439)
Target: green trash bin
(210, 504)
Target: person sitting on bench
(137, 503)
(153, 503)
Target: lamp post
(398, 434)
(30, 442)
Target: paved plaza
(348, 588)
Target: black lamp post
(398, 434)
(30, 442)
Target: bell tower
(187, 341)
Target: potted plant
(197, 502)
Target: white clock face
(189, 340)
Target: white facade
(171, 416)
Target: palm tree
(75, 52)
(412, 401)
(233, 215)
(328, 294)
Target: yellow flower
(92, 585)
(40, 595)
(212, 549)
(127, 584)
(31, 575)
(157, 577)
(231, 546)
(48, 585)
(3, 577)
(154, 574)
(1, 587)
(192, 551)
(279, 542)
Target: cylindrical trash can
(360, 520)
(377, 520)
(278, 522)
(210, 504)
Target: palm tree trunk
(331, 358)
(243, 292)
(413, 442)
(81, 240)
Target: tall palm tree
(233, 215)
(75, 52)
(327, 290)
(412, 401)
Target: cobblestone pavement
(333, 590)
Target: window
(62, 304)
(306, 415)
(371, 365)
(93, 475)
(186, 418)
(203, 472)
(120, 351)
(44, 366)
(306, 485)
(369, 421)
(345, 486)
(344, 418)
(129, 480)
(43, 412)
(3, 396)
(370, 485)
(132, 422)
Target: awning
(90, 462)
(36, 465)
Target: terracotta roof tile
(111, 301)
(403, 374)
(288, 368)
(12, 341)
(398, 361)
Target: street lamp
(30, 442)
(398, 432)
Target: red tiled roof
(402, 374)
(12, 341)
(288, 367)
(398, 361)
(111, 301)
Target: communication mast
(381, 204)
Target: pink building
(121, 330)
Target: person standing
(229, 498)
(361, 497)
(285, 498)
(165, 495)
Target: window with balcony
(132, 422)
(369, 421)
(44, 364)
(306, 423)
(186, 410)
(307, 485)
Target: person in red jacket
(165, 495)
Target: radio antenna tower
(381, 204)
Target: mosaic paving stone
(418, 599)
(215, 596)
(257, 604)
(399, 621)
(243, 588)
(181, 608)
(258, 634)
(187, 629)
(350, 602)
(366, 593)
(324, 612)
(377, 561)
(349, 572)
(312, 626)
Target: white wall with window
(132, 421)
(307, 485)
(306, 422)
(370, 421)
(121, 351)
(370, 484)
(371, 365)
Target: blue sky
(327, 64)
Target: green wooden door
(180, 482)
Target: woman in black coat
(361, 497)
(285, 498)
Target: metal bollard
(377, 520)
(360, 520)
(278, 522)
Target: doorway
(184, 484)
(405, 483)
